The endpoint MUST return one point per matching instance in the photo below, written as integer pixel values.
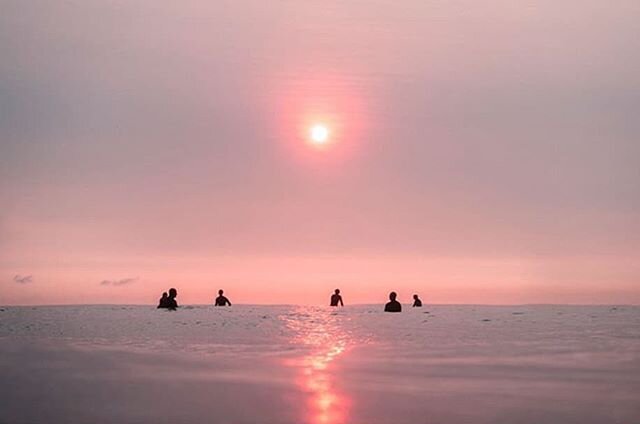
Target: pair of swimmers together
(392, 306)
(168, 300)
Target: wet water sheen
(295, 364)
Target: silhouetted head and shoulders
(417, 303)
(336, 298)
(172, 303)
(163, 301)
(221, 300)
(393, 305)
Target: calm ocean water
(295, 364)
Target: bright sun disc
(319, 134)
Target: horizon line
(314, 305)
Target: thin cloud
(23, 279)
(122, 282)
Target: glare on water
(323, 343)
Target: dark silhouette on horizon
(336, 299)
(417, 303)
(393, 305)
(172, 304)
(222, 300)
(163, 301)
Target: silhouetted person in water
(336, 298)
(171, 300)
(163, 301)
(417, 303)
(393, 305)
(221, 300)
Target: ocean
(300, 364)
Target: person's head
(337, 291)
(392, 296)
(164, 294)
(173, 292)
(220, 292)
(415, 296)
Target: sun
(319, 134)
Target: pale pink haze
(470, 152)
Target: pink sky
(479, 153)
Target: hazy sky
(480, 152)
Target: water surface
(294, 364)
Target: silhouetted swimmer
(336, 298)
(417, 303)
(393, 305)
(221, 300)
(163, 301)
(172, 304)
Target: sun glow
(319, 120)
(319, 134)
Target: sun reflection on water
(317, 331)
